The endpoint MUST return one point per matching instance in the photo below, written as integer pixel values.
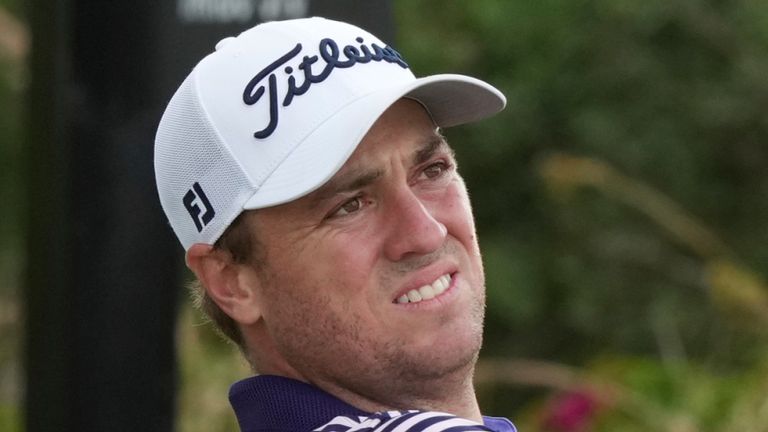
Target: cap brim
(450, 99)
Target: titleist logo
(333, 57)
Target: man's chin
(442, 359)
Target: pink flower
(570, 412)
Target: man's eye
(349, 206)
(435, 170)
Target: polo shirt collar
(274, 403)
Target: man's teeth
(427, 291)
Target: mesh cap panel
(192, 161)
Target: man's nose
(414, 230)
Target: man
(302, 167)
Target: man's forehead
(362, 169)
(413, 148)
(364, 161)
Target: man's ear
(231, 285)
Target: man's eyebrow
(435, 144)
(355, 179)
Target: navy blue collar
(272, 403)
(278, 404)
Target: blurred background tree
(622, 204)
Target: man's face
(340, 263)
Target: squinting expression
(374, 283)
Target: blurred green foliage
(13, 48)
(622, 196)
(13, 76)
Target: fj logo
(192, 199)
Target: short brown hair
(241, 244)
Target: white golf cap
(275, 112)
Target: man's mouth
(426, 292)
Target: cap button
(223, 42)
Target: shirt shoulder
(409, 421)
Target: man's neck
(452, 392)
(454, 395)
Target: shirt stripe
(403, 421)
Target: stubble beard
(397, 376)
(408, 376)
(384, 374)
(428, 376)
